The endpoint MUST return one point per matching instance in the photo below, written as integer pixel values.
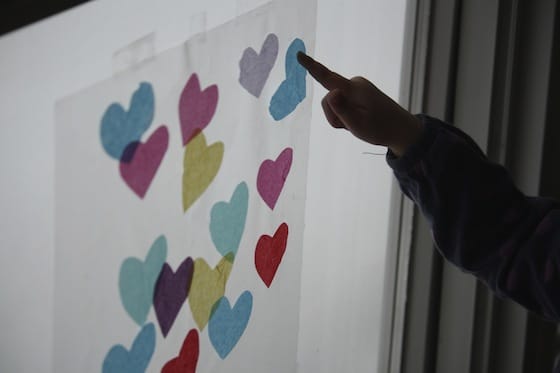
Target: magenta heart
(170, 293)
(196, 107)
(141, 161)
(272, 176)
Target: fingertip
(303, 58)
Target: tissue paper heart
(196, 107)
(254, 68)
(188, 356)
(292, 90)
(119, 360)
(228, 324)
(208, 285)
(137, 280)
(171, 291)
(272, 176)
(269, 253)
(227, 221)
(201, 164)
(142, 160)
(119, 128)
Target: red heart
(188, 356)
(140, 162)
(269, 253)
(196, 108)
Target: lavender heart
(254, 68)
(171, 292)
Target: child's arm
(479, 220)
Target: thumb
(343, 109)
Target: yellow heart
(207, 287)
(200, 165)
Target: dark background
(19, 13)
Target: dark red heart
(188, 356)
(269, 253)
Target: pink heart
(141, 161)
(272, 176)
(196, 108)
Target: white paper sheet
(196, 158)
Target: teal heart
(137, 280)
(227, 324)
(227, 221)
(120, 360)
(119, 127)
(292, 90)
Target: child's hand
(358, 106)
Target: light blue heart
(137, 280)
(227, 221)
(292, 90)
(119, 128)
(119, 360)
(227, 325)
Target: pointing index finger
(327, 78)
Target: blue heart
(119, 360)
(120, 128)
(227, 221)
(292, 90)
(227, 325)
(137, 280)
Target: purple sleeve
(480, 221)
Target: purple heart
(170, 293)
(254, 68)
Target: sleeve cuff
(416, 152)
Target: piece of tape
(197, 25)
(134, 53)
(245, 6)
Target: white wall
(348, 195)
